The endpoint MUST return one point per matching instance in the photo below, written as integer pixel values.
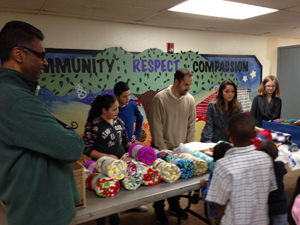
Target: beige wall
(62, 32)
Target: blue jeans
(280, 219)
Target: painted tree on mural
(151, 69)
(74, 78)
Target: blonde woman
(267, 104)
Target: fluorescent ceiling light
(221, 8)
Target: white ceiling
(284, 23)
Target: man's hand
(203, 183)
(220, 212)
(133, 138)
(258, 129)
(113, 156)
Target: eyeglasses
(270, 86)
(40, 55)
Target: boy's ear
(253, 134)
(227, 133)
(104, 110)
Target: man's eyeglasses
(40, 55)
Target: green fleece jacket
(36, 179)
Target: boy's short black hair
(270, 148)
(241, 128)
(220, 149)
(120, 87)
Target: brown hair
(270, 148)
(262, 90)
(234, 105)
(180, 74)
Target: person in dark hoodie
(277, 199)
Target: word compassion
(220, 66)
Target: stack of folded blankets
(142, 165)
(169, 172)
(103, 186)
(185, 165)
(134, 177)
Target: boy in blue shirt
(128, 111)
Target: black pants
(173, 202)
(114, 219)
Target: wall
(288, 75)
(62, 32)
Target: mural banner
(74, 77)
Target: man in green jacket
(36, 152)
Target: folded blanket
(186, 166)
(90, 165)
(170, 152)
(142, 153)
(126, 157)
(111, 167)
(209, 160)
(151, 175)
(280, 137)
(169, 172)
(103, 186)
(261, 136)
(193, 146)
(200, 166)
(164, 155)
(134, 177)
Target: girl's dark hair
(234, 105)
(270, 148)
(100, 102)
(220, 149)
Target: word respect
(144, 65)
